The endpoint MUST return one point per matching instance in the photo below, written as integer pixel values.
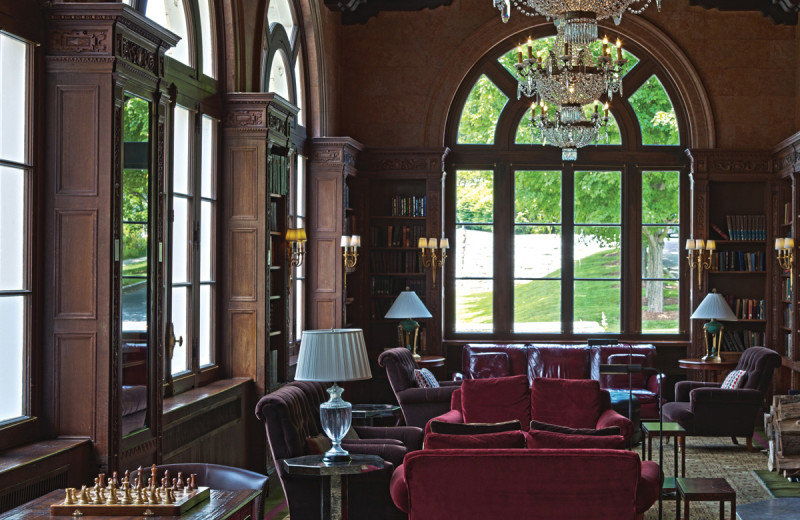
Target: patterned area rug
(715, 457)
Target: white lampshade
(331, 355)
(407, 305)
(714, 307)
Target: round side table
(711, 370)
(433, 363)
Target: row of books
(748, 308)
(379, 307)
(746, 227)
(396, 236)
(788, 344)
(739, 261)
(738, 340)
(408, 206)
(394, 262)
(787, 316)
(393, 285)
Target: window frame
(504, 157)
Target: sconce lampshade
(296, 235)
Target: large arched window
(549, 249)
(285, 75)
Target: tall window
(15, 229)
(546, 248)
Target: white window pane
(206, 317)
(180, 354)
(180, 240)
(170, 14)
(474, 251)
(183, 135)
(206, 243)
(278, 76)
(12, 229)
(280, 12)
(12, 323)
(301, 89)
(301, 187)
(208, 43)
(207, 161)
(474, 306)
(299, 302)
(13, 101)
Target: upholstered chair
(215, 476)
(705, 409)
(418, 405)
(291, 418)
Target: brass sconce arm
(434, 253)
(350, 245)
(701, 261)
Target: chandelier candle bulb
(519, 55)
(619, 49)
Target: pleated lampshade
(331, 355)
(714, 307)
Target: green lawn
(540, 300)
(133, 269)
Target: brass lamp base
(407, 335)
(712, 328)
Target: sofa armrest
(725, 395)
(426, 395)
(652, 383)
(611, 418)
(453, 416)
(390, 453)
(398, 489)
(410, 436)
(650, 482)
(683, 388)
(447, 384)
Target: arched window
(552, 249)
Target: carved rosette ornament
(79, 41)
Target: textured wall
(400, 70)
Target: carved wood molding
(78, 41)
(336, 151)
(259, 111)
(786, 156)
(419, 160)
(730, 162)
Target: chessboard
(165, 497)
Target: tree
(660, 203)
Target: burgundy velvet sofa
(291, 416)
(564, 402)
(569, 362)
(536, 484)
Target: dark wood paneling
(244, 330)
(76, 268)
(74, 400)
(243, 164)
(327, 256)
(77, 151)
(242, 276)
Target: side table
(711, 371)
(696, 489)
(652, 429)
(312, 466)
(433, 363)
(367, 413)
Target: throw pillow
(474, 428)
(576, 403)
(496, 400)
(441, 441)
(318, 444)
(735, 379)
(425, 378)
(537, 425)
(554, 440)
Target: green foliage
(481, 112)
(135, 182)
(656, 114)
(136, 120)
(474, 196)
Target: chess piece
(84, 497)
(169, 496)
(153, 474)
(69, 498)
(154, 497)
(193, 481)
(126, 496)
(139, 499)
(112, 495)
(100, 496)
(180, 481)
(139, 477)
(101, 477)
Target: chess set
(167, 496)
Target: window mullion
(503, 249)
(568, 248)
(196, 187)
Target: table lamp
(332, 355)
(406, 307)
(713, 307)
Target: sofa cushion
(576, 403)
(474, 428)
(638, 380)
(425, 378)
(558, 361)
(499, 440)
(489, 364)
(496, 400)
(537, 425)
(555, 440)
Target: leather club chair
(705, 409)
(216, 476)
(418, 405)
(291, 415)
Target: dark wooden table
(652, 429)
(703, 489)
(367, 413)
(711, 371)
(312, 466)
(222, 505)
(433, 363)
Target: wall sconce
(785, 249)
(429, 256)
(350, 245)
(700, 262)
(295, 250)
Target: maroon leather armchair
(291, 416)
(216, 476)
(418, 405)
(705, 409)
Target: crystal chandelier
(575, 77)
(569, 129)
(580, 16)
